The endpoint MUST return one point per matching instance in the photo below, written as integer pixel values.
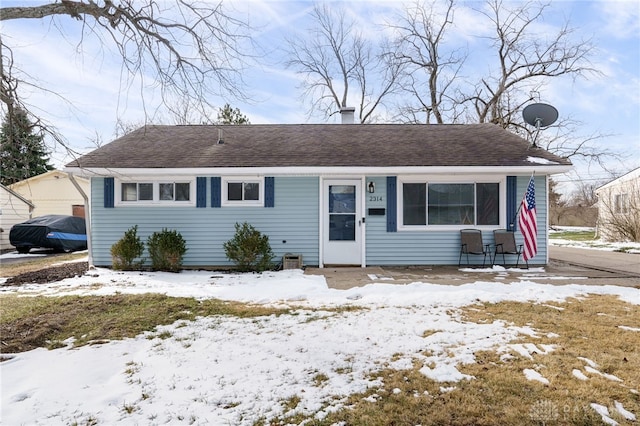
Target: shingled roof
(317, 145)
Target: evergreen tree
(228, 115)
(22, 151)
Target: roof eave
(543, 169)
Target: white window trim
(156, 202)
(621, 205)
(242, 179)
(502, 190)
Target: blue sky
(87, 73)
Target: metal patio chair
(506, 244)
(471, 243)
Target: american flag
(528, 223)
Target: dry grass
(30, 322)
(501, 394)
(37, 263)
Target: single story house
(53, 193)
(619, 208)
(336, 194)
(14, 208)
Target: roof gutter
(542, 169)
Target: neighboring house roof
(317, 145)
(34, 179)
(633, 174)
(20, 197)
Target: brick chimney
(347, 114)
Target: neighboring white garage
(53, 193)
(14, 208)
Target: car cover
(66, 233)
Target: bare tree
(338, 62)
(525, 61)
(565, 139)
(183, 111)
(429, 73)
(190, 50)
(585, 194)
(557, 205)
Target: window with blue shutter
(109, 192)
(216, 191)
(392, 210)
(269, 192)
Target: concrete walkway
(566, 266)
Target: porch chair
(471, 243)
(506, 244)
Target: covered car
(58, 232)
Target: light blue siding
(541, 216)
(438, 247)
(292, 226)
(294, 219)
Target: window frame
(225, 202)
(155, 201)
(621, 204)
(453, 180)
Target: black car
(58, 232)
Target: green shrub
(127, 250)
(249, 249)
(166, 249)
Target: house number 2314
(375, 198)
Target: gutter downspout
(87, 216)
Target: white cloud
(621, 18)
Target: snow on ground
(229, 370)
(629, 247)
(16, 255)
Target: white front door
(342, 219)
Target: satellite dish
(540, 115)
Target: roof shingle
(315, 145)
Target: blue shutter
(269, 192)
(392, 204)
(216, 191)
(201, 192)
(109, 192)
(512, 202)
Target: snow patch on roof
(538, 160)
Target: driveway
(610, 261)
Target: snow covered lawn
(556, 234)
(229, 370)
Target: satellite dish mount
(540, 116)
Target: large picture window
(156, 192)
(425, 204)
(450, 204)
